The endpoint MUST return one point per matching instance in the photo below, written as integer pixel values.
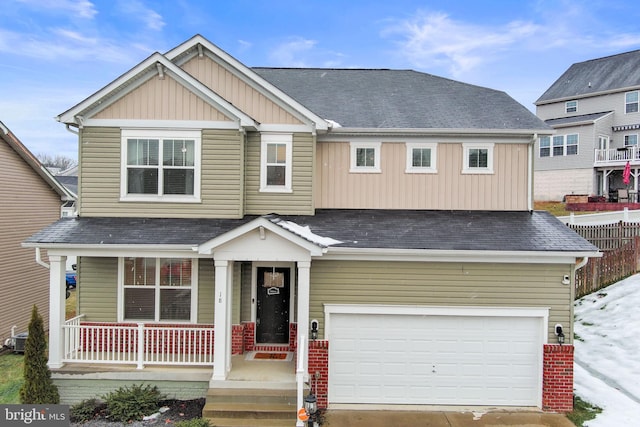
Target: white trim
(162, 124)
(466, 169)
(161, 135)
(410, 146)
(353, 149)
(193, 315)
(265, 141)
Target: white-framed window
(276, 154)
(478, 158)
(545, 146)
(421, 157)
(160, 165)
(631, 140)
(365, 157)
(631, 102)
(559, 145)
(571, 106)
(158, 289)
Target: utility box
(19, 342)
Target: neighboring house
(594, 109)
(387, 211)
(31, 199)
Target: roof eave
(440, 131)
(585, 95)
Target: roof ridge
(608, 56)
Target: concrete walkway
(384, 418)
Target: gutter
(39, 259)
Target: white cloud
(137, 10)
(435, 38)
(290, 53)
(81, 8)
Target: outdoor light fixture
(314, 329)
(566, 280)
(559, 334)
(311, 406)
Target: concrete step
(242, 422)
(255, 396)
(249, 410)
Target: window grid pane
(175, 272)
(365, 157)
(631, 101)
(630, 140)
(175, 304)
(421, 157)
(139, 271)
(478, 158)
(558, 145)
(139, 303)
(178, 181)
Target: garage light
(311, 406)
(559, 334)
(314, 330)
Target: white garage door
(435, 359)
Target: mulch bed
(179, 410)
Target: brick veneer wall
(319, 370)
(557, 378)
(237, 339)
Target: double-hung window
(631, 140)
(276, 162)
(571, 144)
(478, 158)
(545, 146)
(158, 289)
(421, 157)
(365, 157)
(160, 165)
(631, 102)
(571, 106)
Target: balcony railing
(140, 344)
(617, 156)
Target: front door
(272, 311)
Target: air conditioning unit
(19, 342)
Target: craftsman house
(374, 228)
(31, 199)
(593, 108)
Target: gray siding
(586, 150)
(28, 204)
(206, 288)
(221, 178)
(442, 284)
(300, 201)
(97, 291)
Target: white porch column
(221, 325)
(229, 322)
(303, 307)
(57, 294)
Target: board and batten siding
(237, 92)
(29, 204)
(221, 178)
(442, 284)
(297, 202)
(393, 188)
(161, 99)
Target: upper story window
(421, 158)
(631, 140)
(365, 157)
(158, 289)
(631, 102)
(478, 158)
(160, 165)
(545, 146)
(558, 145)
(276, 162)
(571, 106)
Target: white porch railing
(300, 375)
(617, 155)
(138, 344)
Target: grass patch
(556, 208)
(12, 368)
(582, 411)
(577, 337)
(71, 304)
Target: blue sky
(55, 53)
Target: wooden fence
(620, 245)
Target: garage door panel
(405, 359)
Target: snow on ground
(607, 352)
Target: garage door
(435, 359)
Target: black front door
(272, 316)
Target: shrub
(132, 403)
(194, 422)
(38, 388)
(85, 410)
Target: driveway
(384, 418)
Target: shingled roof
(596, 75)
(399, 99)
(358, 229)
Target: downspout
(582, 263)
(530, 177)
(68, 126)
(39, 259)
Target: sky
(55, 53)
(607, 368)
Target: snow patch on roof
(306, 233)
